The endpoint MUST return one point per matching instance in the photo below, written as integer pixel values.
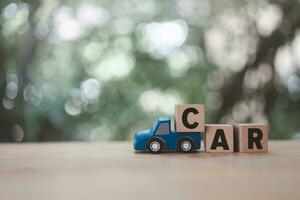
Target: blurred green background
(100, 70)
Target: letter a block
(189, 118)
(219, 138)
(251, 137)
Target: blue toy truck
(160, 138)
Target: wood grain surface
(99, 171)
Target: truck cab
(160, 138)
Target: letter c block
(189, 118)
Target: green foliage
(100, 70)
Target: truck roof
(163, 119)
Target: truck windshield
(155, 125)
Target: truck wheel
(186, 145)
(155, 145)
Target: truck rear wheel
(185, 145)
(156, 145)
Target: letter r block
(189, 118)
(219, 138)
(251, 137)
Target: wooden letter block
(219, 138)
(189, 118)
(251, 137)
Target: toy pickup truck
(160, 138)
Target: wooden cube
(251, 137)
(189, 118)
(219, 138)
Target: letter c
(185, 118)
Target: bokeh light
(100, 70)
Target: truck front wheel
(156, 145)
(185, 145)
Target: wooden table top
(96, 171)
